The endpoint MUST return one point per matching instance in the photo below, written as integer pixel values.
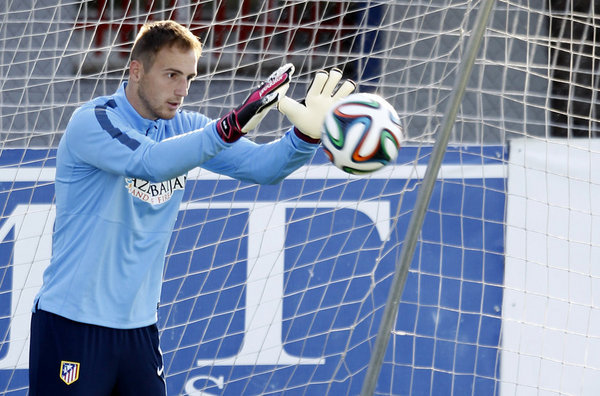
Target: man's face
(160, 90)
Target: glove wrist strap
(228, 128)
(305, 137)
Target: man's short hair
(155, 36)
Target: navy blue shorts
(72, 358)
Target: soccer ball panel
(362, 133)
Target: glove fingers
(282, 91)
(345, 89)
(272, 98)
(289, 107)
(335, 75)
(256, 119)
(264, 106)
(287, 69)
(308, 116)
(316, 87)
(274, 82)
(280, 80)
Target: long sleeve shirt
(119, 184)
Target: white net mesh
(279, 289)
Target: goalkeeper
(120, 174)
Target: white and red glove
(308, 115)
(246, 117)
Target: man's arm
(97, 136)
(114, 147)
(270, 163)
(263, 163)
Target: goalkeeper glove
(244, 118)
(309, 115)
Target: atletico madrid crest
(69, 372)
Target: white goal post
(280, 290)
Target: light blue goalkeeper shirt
(119, 184)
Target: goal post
(282, 289)
(423, 198)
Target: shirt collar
(130, 114)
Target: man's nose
(182, 89)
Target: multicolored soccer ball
(362, 133)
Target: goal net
(272, 290)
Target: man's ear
(136, 70)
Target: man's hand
(241, 120)
(309, 115)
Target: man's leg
(69, 358)
(141, 370)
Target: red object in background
(304, 22)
